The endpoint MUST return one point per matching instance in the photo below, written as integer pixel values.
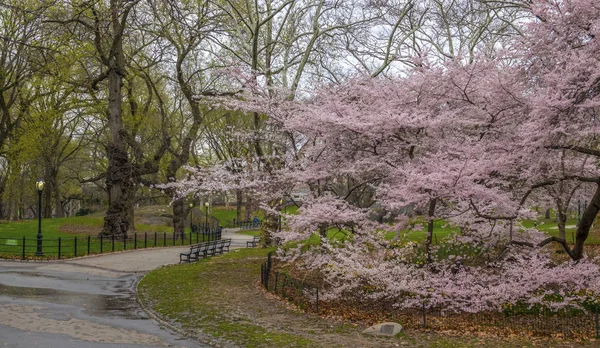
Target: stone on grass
(384, 329)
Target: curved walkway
(85, 302)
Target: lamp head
(206, 204)
(191, 205)
(39, 184)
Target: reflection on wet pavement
(74, 309)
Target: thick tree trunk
(269, 225)
(249, 207)
(587, 219)
(119, 173)
(239, 201)
(118, 177)
(2, 205)
(547, 214)
(179, 213)
(53, 194)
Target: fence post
(124, 241)
(424, 316)
(283, 282)
(173, 237)
(597, 326)
(267, 270)
(101, 240)
(317, 302)
(190, 237)
(59, 242)
(113, 242)
(89, 239)
(164, 239)
(75, 246)
(145, 240)
(23, 257)
(155, 239)
(134, 240)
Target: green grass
(76, 244)
(230, 306)
(254, 233)
(197, 303)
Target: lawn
(77, 236)
(232, 309)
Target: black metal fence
(205, 228)
(68, 247)
(245, 225)
(301, 293)
(574, 323)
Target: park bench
(223, 246)
(212, 247)
(196, 252)
(203, 250)
(253, 243)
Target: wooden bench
(253, 243)
(197, 251)
(206, 249)
(223, 246)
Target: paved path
(237, 240)
(86, 302)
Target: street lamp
(191, 216)
(40, 187)
(206, 214)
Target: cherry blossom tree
(471, 142)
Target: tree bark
(179, 214)
(239, 201)
(249, 207)
(587, 219)
(430, 215)
(118, 174)
(562, 222)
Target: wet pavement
(81, 303)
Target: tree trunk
(179, 213)
(269, 225)
(323, 231)
(2, 205)
(430, 215)
(587, 219)
(547, 215)
(239, 200)
(119, 173)
(562, 222)
(249, 207)
(55, 193)
(118, 177)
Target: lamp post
(191, 216)
(206, 214)
(40, 187)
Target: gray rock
(384, 329)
